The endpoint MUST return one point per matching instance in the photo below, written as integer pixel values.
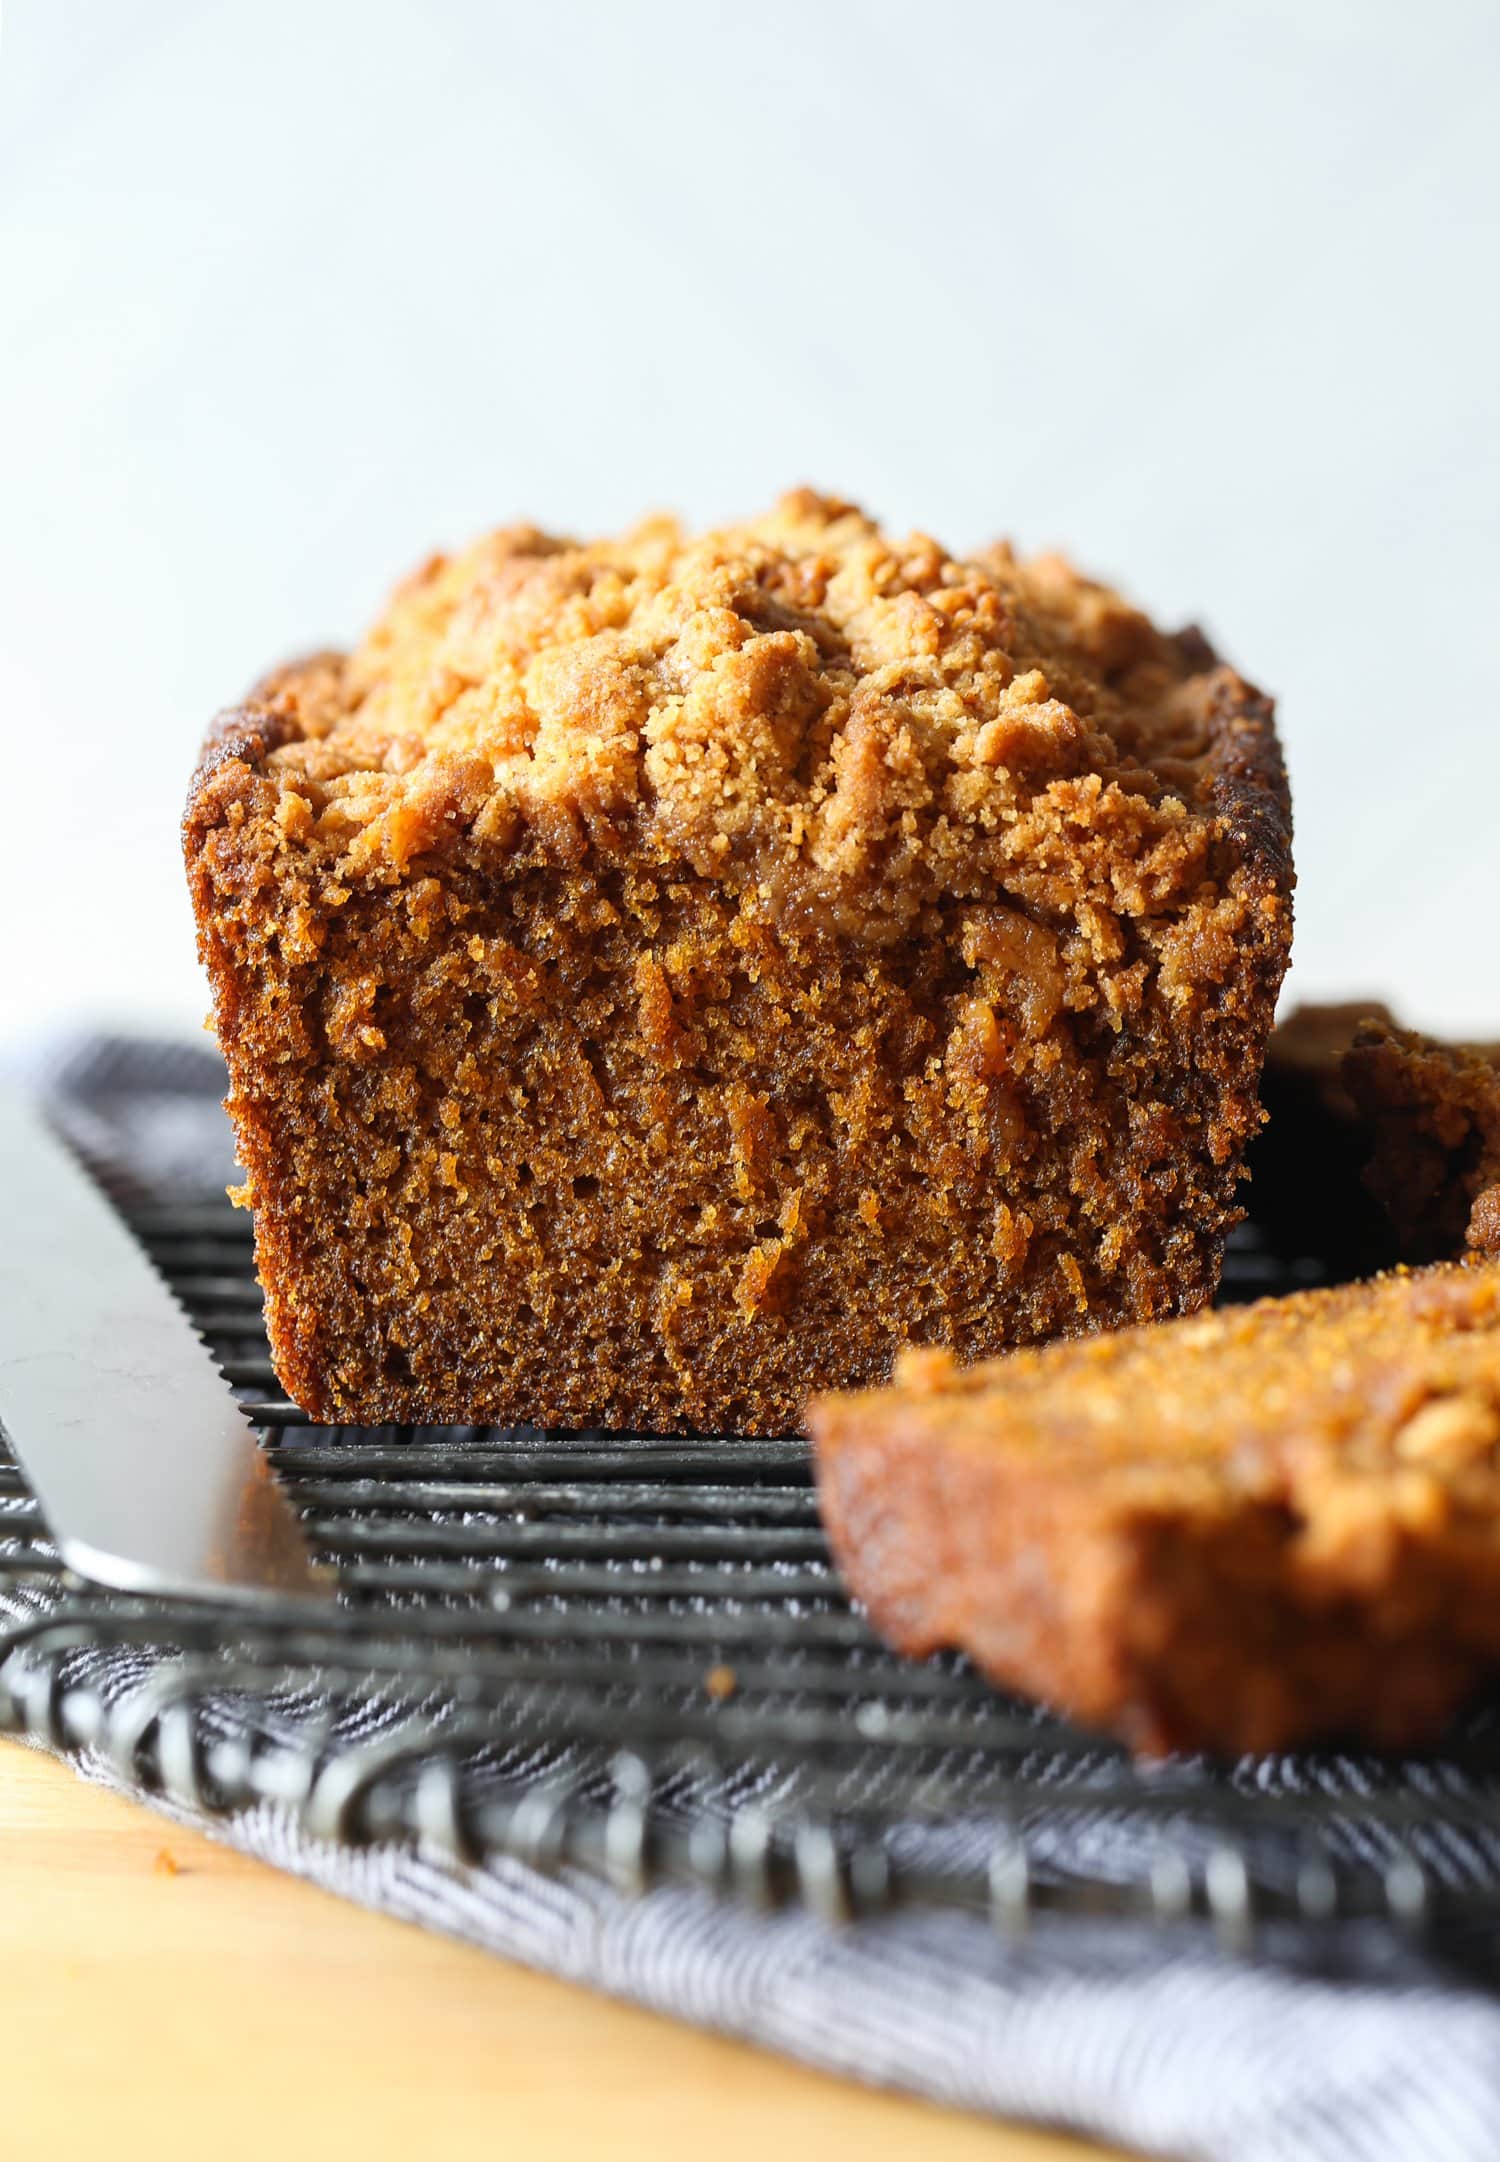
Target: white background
(292, 290)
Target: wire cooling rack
(636, 1656)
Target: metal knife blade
(147, 1472)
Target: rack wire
(635, 1656)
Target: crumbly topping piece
(799, 698)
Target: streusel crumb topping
(798, 697)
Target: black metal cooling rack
(635, 1656)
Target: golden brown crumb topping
(797, 701)
(1352, 1406)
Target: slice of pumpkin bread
(1239, 1531)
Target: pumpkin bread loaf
(659, 976)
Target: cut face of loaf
(1237, 1532)
(659, 977)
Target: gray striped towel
(1148, 2036)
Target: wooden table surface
(163, 1995)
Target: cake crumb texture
(657, 975)
(1240, 1531)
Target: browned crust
(1248, 785)
(244, 735)
(1266, 1577)
(266, 720)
